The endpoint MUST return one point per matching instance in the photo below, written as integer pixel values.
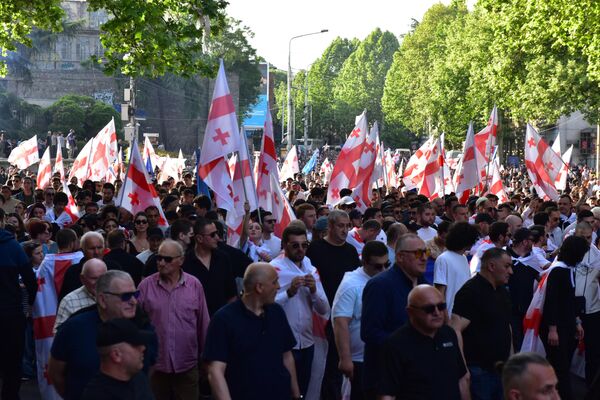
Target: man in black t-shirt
(481, 315)
(121, 347)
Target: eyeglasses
(381, 266)
(166, 259)
(141, 222)
(419, 253)
(430, 309)
(126, 296)
(212, 234)
(296, 245)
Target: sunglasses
(430, 309)
(166, 259)
(212, 234)
(141, 222)
(126, 296)
(419, 253)
(296, 245)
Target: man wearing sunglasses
(422, 359)
(272, 242)
(346, 314)
(300, 295)
(384, 303)
(74, 358)
(175, 303)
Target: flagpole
(87, 163)
(251, 169)
(442, 166)
(133, 143)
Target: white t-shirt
(273, 244)
(451, 270)
(348, 303)
(587, 275)
(426, 233)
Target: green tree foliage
(360, 82)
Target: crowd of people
(416, 299)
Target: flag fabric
(345, 170)
(290, 165)
(58, 164)
(377, 179)
(50, 276)
(169, 169)
(103, 152)
(497, 186)
(543, 164)
(326, 170)
(390, 170)
(426, 179)
(220, 138)
(556, 145)
(180, 164)
(485, 140)
(310, 165)
(416, 164)
(80, 167)
(25, 154)
(201, 187)
(44, 170)
(137, 192)
(362, 191)
(466, 176)
(561, 178)
(443, 184)
(282, 210)
(71, 209)
(266, 166)
(151, 159)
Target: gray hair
(400, 244)
(334, 215)
(89, 235)
(91, 263)
(105, 281)
(171, 242)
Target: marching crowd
(408, 299)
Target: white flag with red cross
(543, 164)
(44, 170)
(561, 178)
(290, 165)
(345, 171)
(427, 177)
(362, 191)
(416, 165)
(497, 185)
(150, 155)
(50, 277)
(266, 166)
(377, 178)
(137, 192)
(485, 140)
(104, 152)
(443, 184)
(80, 167)
(466, 176)
(71, 208)
(58, 164)
(25, 154)
(282, 210)
(326, 170)
(390, 170)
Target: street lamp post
(290, 133)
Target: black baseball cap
(121, 330)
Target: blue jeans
(485, 385)
(303, 359)
(29, 369)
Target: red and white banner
(71, 209)
(266, 166)
(561, 178)
(169, 168)
(466, 176)
(497, 186)
(80, 167)
(326, 170)
(416, 165)
(345, 171)
(443, 184)
(282, 210)
(543, 164)
(50, 276)
(58, 164)
(150, 154)
(25, 154)
(137, 192)
(362, 191)
(485, 140)
(104, 152)
(427, 177)
(392, 177)
(44, 170)
(290, 165)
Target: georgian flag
(44, 170)
(80, 166)
(485, 140)
(497, 186)
(362, 191)
(326, 170)
(561, 178)
(25, 154)
(282, 210)
(466, 175)
(543, 164)
(266, 166)
(290, 166)
(104, 152)
(58, 164)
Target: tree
(360, 82)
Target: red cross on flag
(561, 178)
(104, 152)
(497, 186)
(50, 276)
(266, 166)
(282, 210)
(362, 192)
(485, 140)
(326, 170)
(377, 179)
(543, 164)
(80, 166)
(465, 176)
(416, 164)
(290, 165)
(71, 209)
(58, 164)
(345, 171)
(426, 179)
(44, 170)
(390, 170)
(25, 154)
(137, 192)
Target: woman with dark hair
(15, 220)
(140, 233)
(560, 326)
(109, 225)
(41, 231)
(37, 210)
(20, 209)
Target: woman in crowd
(20, 209)
(109, 225)
(37, 210)
(253, 247)
(40, 232)
(15, 220)
(140, 230)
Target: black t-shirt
(252, 347)
(487, 338)
(521, 285)
(332, 262)
(104, 387)
(415, 366)
(218, 280)
(559, 305)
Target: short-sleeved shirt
(487, 338)
(252, 347)
(451, 270)
(419, 367)
(348, 303)
(104, 387)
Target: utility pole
(306, 112)
(128, 112)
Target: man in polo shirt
(422, 360)
(257, 327)
(175, 303)
(481, 318)
(384, 303)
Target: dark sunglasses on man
(126, 296)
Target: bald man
(83, 297)
(422, 359)
(257, 327)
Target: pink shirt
(180, 317)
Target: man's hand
(309, 282)
(347, 368)
(297, 282)
(553, 337)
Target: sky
(274, 22)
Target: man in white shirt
(301, 293)
(272, 242)
(357, 237)
(499, 237)
(565, 207)
(426, 219)
(451, 269)
(347, 309)
(57, 215)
